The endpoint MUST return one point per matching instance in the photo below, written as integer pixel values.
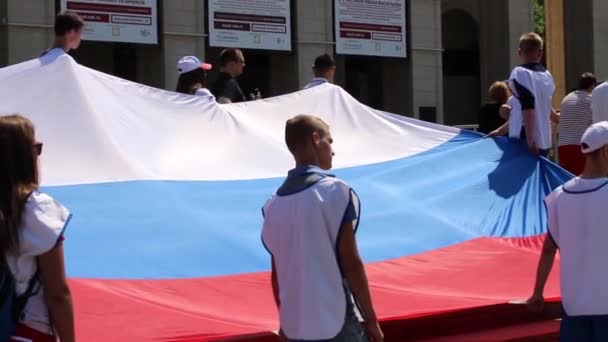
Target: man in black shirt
(226, 89)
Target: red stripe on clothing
(27, 334)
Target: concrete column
(579, 49)
(495, 55)
(554, 47)
(600, 32)
(314, 34)
(521, 20)
(426, 56)
(29, 28)
(182, 34)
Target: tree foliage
(539, 16)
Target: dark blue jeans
(584, 328)
(352, 331)
(522, 137)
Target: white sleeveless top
(515, 118)
(540, 83)
(577, 219)
(301, 232)
(42, 226)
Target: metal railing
(472, 127)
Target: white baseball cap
(189, 63)
(595, 137)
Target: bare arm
(504, 112)
(500, 131)
(354, 272)
(545, 264)
(555, 116)
(57, 292)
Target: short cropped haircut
(586, 81)
(67, 21)
(499, 92)
(324, 63)
(531, 42)
(230, 55)
(299, 129)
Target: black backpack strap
(33, 287)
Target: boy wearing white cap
(192, 75)
(577, 222)
(599, 102)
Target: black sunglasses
(38, 148)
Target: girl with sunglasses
(31, 238)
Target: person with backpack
(35, 299)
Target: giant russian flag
(166, 191)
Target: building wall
(425, 57)
(314, 35)
(578, 36)
(182, 34)
(521, 20)
(497, 22)
(3, 34)
(600, 32)
(29, 25)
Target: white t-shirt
(204, 92)
(515, 118)
(599, 103)
(578, 223)
(575, 117)
(301, 232)
(42, 226)
(53, 53)
(316, 81)
(533, 86)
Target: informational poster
(371, 27)
(250, 24)
(125, 21)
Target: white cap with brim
(595, 137)
(189, 63)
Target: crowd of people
(511, 101)
(318, 278)
(522, 109)
(226, 89)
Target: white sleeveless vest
(301, 232)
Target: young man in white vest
(318, 277)
(532, 84)
(577, 221)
